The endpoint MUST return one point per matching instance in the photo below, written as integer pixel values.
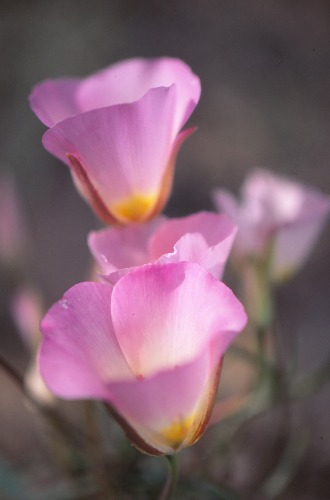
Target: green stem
(172, 478)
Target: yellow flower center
(135, 208)
(177, 432)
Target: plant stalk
(172, 477)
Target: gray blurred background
(265, 72)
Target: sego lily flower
(119, 132)
(276, 218)
(150, 347)
(205, 238)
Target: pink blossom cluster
(148, 338)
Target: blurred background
(265, 72)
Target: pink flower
(118, 131)
(205, 238)
(276, 216)
(150, 346)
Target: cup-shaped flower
(205, 238)
(150, 347)
(119, 132)
(276, 217)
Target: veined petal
(116, 248)
(292, 247)
(124, 150)
(205, 238)
(55, 100)
(80, 352)
(226, 202)
(167, 179)
(124, 82)
(129, 80)
(252, 231)
(171, 409)
(88, 191)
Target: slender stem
(172, 478)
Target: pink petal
(164, 314)
(280, 199)
(55, 100)
(124, 149)
(293, 246)
(128, 81)
(80, 352)
(167, 179)
(178, 322)
(251, 236)
(183, 395)
(226, 202)
(116, 248)
(295, 239)
(123, 82)
(283, 201)
(205, 238)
